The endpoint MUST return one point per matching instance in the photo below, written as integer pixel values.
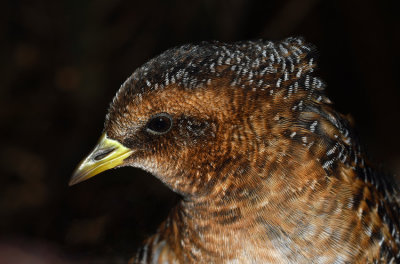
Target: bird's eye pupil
(159, 124)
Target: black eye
(159, 124)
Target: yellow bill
(107, 154)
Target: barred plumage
(268, 170)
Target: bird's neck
(215, 227)
(224, 219)
(280, 197)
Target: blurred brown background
(62, 61)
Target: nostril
(102, 154)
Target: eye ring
(159, 124)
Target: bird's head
(179, 135)
(198, 113)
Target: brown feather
(268, 170)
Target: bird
(267, 170)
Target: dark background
(62, 62)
